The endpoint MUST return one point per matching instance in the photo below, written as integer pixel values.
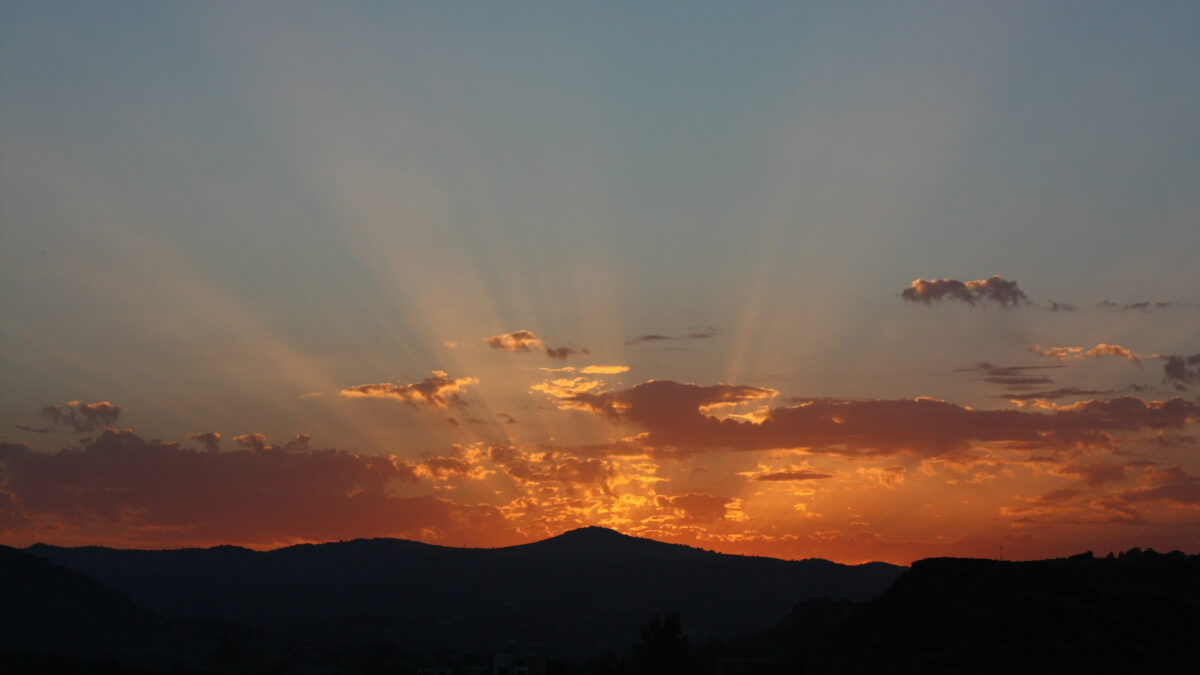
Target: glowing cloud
(998, 290)
(589, 370)
(438, 390)
(1102, 349)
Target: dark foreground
(590, 601)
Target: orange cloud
(1102, 349)
(438, 390)
(589, 370)
(793, 473)
(566, 390)
(516, 341)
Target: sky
(859, 281)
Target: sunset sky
(860, 281)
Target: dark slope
(46, 605)
(1138, 613)
(586, 590)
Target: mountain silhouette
(579, 593)
(1136, 613)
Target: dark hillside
(584, 591)
(1137, 613)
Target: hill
(577, 594)
(1137, 613)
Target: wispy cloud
(655, 337)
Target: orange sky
(733, 468)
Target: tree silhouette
(664, 648)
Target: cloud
(564, 352)
(567, 389)
(1012, 378)
(653, 337)
(672, 415)
(1094, 474)
(524, 341)
(997, 290)
(438, 390)
(1182, 370)
(1054, 394)
(211, 440)
(1055, 306)
(1075, 353)
(516, 341)
(1172, 484)
(890, 476)
(549, 466)
(695, 507)
(76, 416)
(794, 473)
(589, 370)
(1146, 306)
(149, 491)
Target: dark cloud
(1013, 378)
(551, 466)
(1172, 484)
(1143, 306)
(1182, 371)
(1094, 474)
(1055, 394)
(674, 414)
(508, 419)
(76, 416)
(211, 440)
(654, 337)
(564, 352)
(1054, 306)
(438, 390)
(792, 475)
(524, 341)
(994, 290)
(695, 507)
(1056, 496)
(33, 430)
(151, 491)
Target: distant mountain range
(386, 605)
(580, 593)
